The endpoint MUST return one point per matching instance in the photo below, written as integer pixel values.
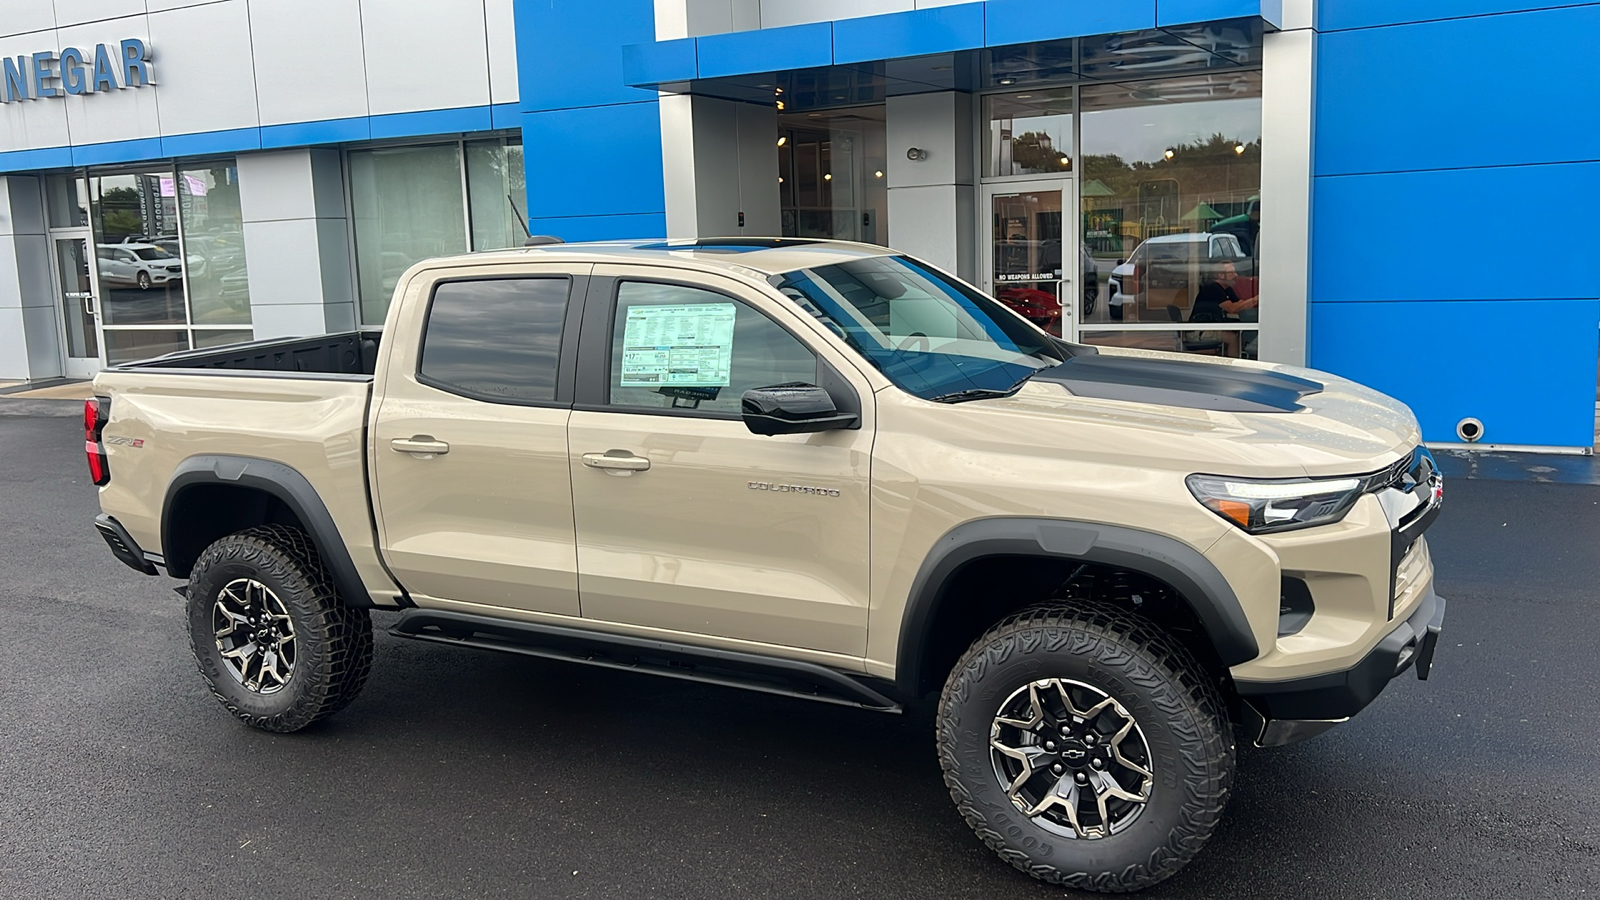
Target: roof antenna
(539, 240)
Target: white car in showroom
(142, 265)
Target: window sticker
(682, 346)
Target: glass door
(1029, 256)
(80, 306)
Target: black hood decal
(1181, 383)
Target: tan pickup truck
(810, 468)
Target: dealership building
(1379, 189)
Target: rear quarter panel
(315, 425)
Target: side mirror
(792, 409)
(1120, 260)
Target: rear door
(686, 520)
(469, 440)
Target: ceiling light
(1238, 148)
(1008, 81)
(878, 174)
(783, 139)
(780, 104)
(1170, 153)
(780, 179)
(1066, 161)
(827, 176)
(1024, 96)
(779, 90)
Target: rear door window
(496, 340)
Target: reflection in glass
(495, 340)
(408, 207)
(1030, 132)
(66, 202)
(1027, 255)
(129, 346)
(77, 298)
(221, 336)
(135, 218)
(1234, 343)
(832, 175)
(497, 194)
(213, 241)
(1171, 193)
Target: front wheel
(143, 280)
(1085, 747)
(271, 637)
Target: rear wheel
(268, 630)
(1085, 747)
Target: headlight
(1262, 507)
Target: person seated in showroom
(1217, 301)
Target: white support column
(1288, 132)
(30, 335)
(297, 243)
(932, 200)
(719, 159)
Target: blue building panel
(1457, 93)
(922, 32)
(660, 62)
(116, 152)
(310, 134)
(1023, 21)
(1334, 16)
(1525, 368)
(599, 161)
(601, 228)
(234, 140)
(1462, 234)
(42, 158)
(432, 121)
(1189, 12)
(568, 52)
(766, 50)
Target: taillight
(96, 412)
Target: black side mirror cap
(794, 408)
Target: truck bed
(346, 353)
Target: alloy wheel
(255, 635)
(1071, 758)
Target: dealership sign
(40, 76)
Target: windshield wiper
(986, 393)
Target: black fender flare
(282, 482)
(1166, 559)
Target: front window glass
(933, 336)
(675, 347)
(135, 218)
(1171, 191)
(213, 245)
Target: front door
(79, 305)
(686, 520)
(1031, 257)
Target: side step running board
(731, 668)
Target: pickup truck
(816, 469)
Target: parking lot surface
(464, 773)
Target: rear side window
(497, 340)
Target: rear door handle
(422, 446)
(618, 460)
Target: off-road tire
(1179, 710)
(333, 641)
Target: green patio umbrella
(1097, 188)
(1203, 211)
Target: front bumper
(1284, 712)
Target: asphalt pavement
(460, 773)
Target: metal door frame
(1068, 288)
(78, 366)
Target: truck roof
(768, 256)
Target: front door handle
(618, 460)
(422, 446)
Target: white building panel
(502, 34)
(425, 55)
(208, 79)
(777, 13)
(308, 74)
(21, 18)
(77, 12)
(118, 115)
(26, 124)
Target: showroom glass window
(414, 202)
(832, 175)
(1028, 133)
(1170, 188)
(160, 264)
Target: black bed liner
(345, 353)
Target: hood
(1215, 415)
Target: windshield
(152, 253)
(932, 336)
